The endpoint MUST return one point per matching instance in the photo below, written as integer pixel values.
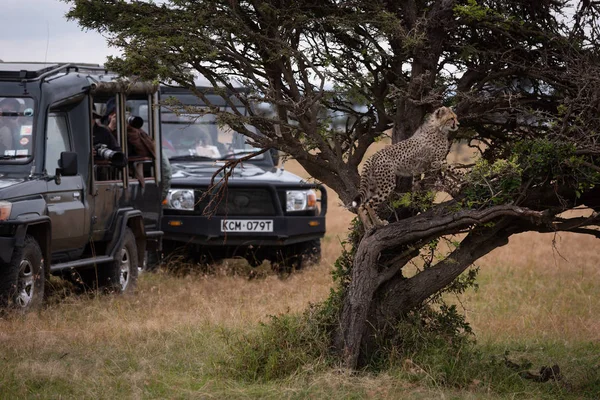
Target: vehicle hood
(11, 187)
(202, 172)
(6, 182)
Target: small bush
(439, 340)
(285, 345)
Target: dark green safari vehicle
(262, 213)
(66, 207)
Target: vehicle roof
(96, 77)
(32, 71)
(32, 68)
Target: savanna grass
(179, 336)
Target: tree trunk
(378, 294)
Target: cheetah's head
(445, 118)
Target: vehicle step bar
(81, 263)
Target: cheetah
(426, 149)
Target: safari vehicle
(61, 208)
(262, 213)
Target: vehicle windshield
(16, 128)
(199, 137)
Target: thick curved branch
(432, 224)
(477, 244)
(366, 276)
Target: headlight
(300, 200)
(5, 208)
(180, 199)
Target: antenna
(47, 41)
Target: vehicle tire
(298, 256)
(311, 252)
(22, 281)
(121, 275)
(253, 261)
(284, 261)
(255, 257)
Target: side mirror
(67, 165)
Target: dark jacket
(103, 136)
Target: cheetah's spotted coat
(426, 149)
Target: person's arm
(112, 142)
(103, 136)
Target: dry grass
(537, 291)
(538, 287)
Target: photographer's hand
(112, 122)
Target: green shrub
(282, 347)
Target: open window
(109, 158)
(141, 142)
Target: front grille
(236, 202)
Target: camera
(116, 158)
(135, 122)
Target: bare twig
(228, 167)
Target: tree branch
(478, 242)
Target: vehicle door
(66, 208)
(144, 169)
(108, 179)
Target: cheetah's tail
(356, 202)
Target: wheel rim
(124, 269)
(25, 285)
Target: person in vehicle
(139, 143)
(204, 146)
(9, 111)
(102, 135)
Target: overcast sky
(37, 30)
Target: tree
(524, 78)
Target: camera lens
(135, 121)
(116, 158)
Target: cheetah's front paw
(381, 223)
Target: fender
(134, 220)
(38, 226)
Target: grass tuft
(284, 346)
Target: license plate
(246, 225)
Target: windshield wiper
(191, 157)
(13, 157)
(238, 154)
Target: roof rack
(32, 71)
